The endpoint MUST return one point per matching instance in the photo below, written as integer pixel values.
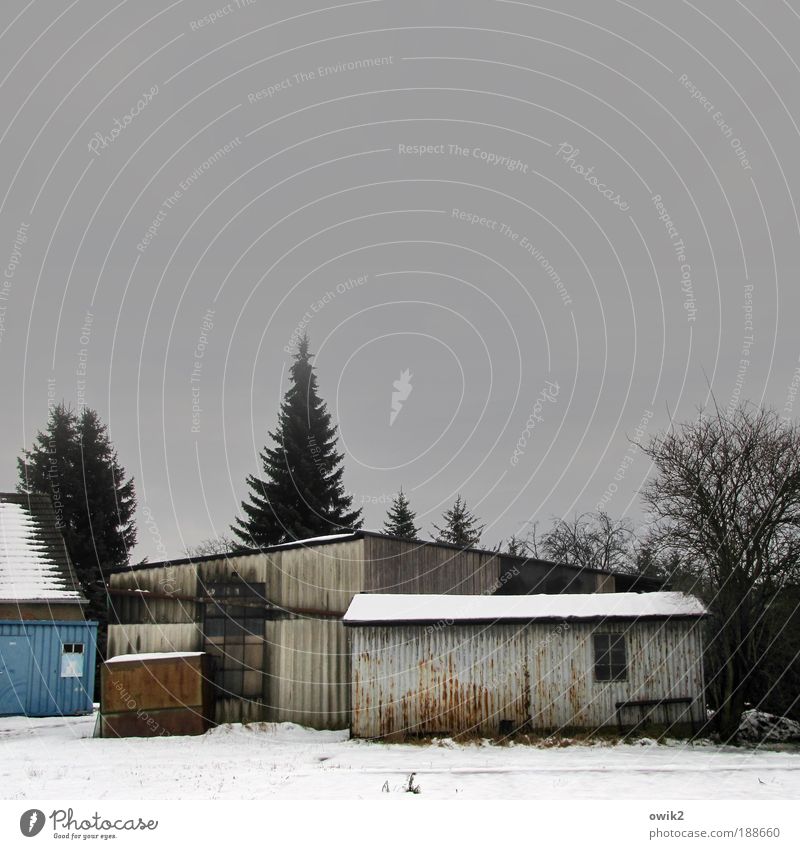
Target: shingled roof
(34, 564)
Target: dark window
(610, 658)
(73, 648)
(233, 626)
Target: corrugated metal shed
(448, 677)
(302, 674)
(42, 673)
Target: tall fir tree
(460, 527)
(301, 493)
(49, 467)
(105, 530)
(74, 462)
(400, 518)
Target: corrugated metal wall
(48, 694)
(397, 566)
(308, 679)
(467, 678)
(306, 664)
(134, 639)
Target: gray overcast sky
(567, 223)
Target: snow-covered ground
(60, 759)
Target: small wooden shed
(157, 694)
(490, 665)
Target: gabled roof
(383, 608)
(34, 564)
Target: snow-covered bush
(759, 727)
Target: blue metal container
(47, 668)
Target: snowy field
(60, 759)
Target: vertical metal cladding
(308, 672)
(135, 639)
(306, 667)
(489, 679)
(47, 692)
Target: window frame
(73, 660)
(228, 628)
(612, 660)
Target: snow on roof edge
(379, 607)
(158, 655)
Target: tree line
(722, 504)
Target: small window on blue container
(72, 660)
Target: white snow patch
(27, 571)
(157, 655)
(381, 607)
(56, 758)
(312, 540)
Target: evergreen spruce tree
(74, 463)
(301, 493)
(104, 528)
(460, 526)
(49, 468)
(400, 518)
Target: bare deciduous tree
(591, 540)
(222, 544)
(726, 497)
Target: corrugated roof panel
(33, 560)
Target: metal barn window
(233, 627)
(72, 660)
(610, 657)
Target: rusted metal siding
(467, 678)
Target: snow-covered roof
(158, 655)
(34, 564)
(379, 607)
